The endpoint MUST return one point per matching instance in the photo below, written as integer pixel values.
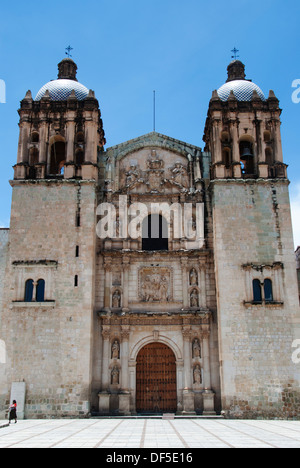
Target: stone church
(153, 276)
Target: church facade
(153, 276)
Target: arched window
(257, 296)
(57, 158)
(226, 156)
(155, 233)
(268, 290)
(40, 291)
(28, 291)
(247, 157)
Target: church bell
(246, 154)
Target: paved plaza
(180, 434)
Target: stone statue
(196, 349)
(116, 300)
(115, 350)
(115, 374)
(193, 277)
(194, 298)
(197, 375)
(164, 287)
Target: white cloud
(295, 207)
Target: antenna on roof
(154, 110)
(235, 52)
(68, 51)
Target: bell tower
(61, 131)
(254, 260)
(242, 130)
(50, 277)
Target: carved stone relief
(156, 178)
(155, 285)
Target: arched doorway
(156, 389)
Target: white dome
(61, 89)
(242, 89)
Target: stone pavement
(142, 433)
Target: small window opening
(257, 296)
(77, 251)
(29, 290)
(268, 290)
(40, 291)
(76, 281)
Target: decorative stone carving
(115, 350)
(116, 299)
(196, 348)
(133, 176)
(193, 277)
(197, 375)
(179, 175)
(155, 285)
(115, 376)
(194, 298)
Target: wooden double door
(156, 387)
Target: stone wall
(4, 246)
(49, 343)
(253, 239)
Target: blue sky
(126, 49)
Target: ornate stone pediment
(156, 177)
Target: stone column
(237, 170)
(70, 138)
(107, 287)
(208, 394)
(23, 143)
(124, 396)
(278, 142)
(185, 283)
(125, 357)
(43, 142)
(126, 268)
(206, 360)
(188, 395)
(104, 395)
(105, 359)
(217, 141)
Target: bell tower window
(247, 157)
(57, 158)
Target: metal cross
(235, 52)
(68, 51)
